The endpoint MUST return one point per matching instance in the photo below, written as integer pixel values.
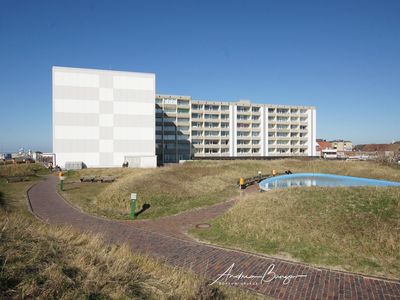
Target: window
(243, 109)
(211, 107)
(170, 146)
(208, 116)
(224, 133)
(169, 110)
(243, 133)
(183, 137)
(183, 110)
(282, 119)
(211, 142)
(169, 128)
(183, 102)
(224, 117)
(211, 150)
(169, 137)
(211, 125)
(282, 111)
(169, 119)
(211, 133)
(196, 133)
(279, 142)
(243, 150)
(243, 117)
(197, 106)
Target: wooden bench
(97, 179)
(17, 179)
(88, 178)
(107, 179)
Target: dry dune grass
(39, 261)
(356, 229)
(178, 188)
(21, 170)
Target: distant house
(342, 145)
(325, 149)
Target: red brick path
(211, 261)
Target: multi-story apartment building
(187, 128)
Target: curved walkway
(213, 262)
(178, 225)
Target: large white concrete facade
(103, 118)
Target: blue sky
(341, 56)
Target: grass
(174, 189)
(353, 229)
(22, 170)
(44, 261)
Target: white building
(103, 118)
(188, 128)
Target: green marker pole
(133, 205)
(62, 182)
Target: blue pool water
(317, 179)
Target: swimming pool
(318, 179)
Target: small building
(321, 146)
(329, 154)
(342, 145)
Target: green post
(133, 205)
(62, 180)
